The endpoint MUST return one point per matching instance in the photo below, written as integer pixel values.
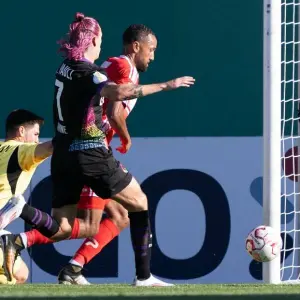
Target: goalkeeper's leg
(20, 273)
(20, 270)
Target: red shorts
(89, 200)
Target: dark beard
(141, 69)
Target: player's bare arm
(116, 116)
(43, 150)
(131, 91)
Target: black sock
(149, 243)
(42, 221)
(141, 239)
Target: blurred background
(218, 42)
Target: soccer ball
(263, 243)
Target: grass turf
(179, 292)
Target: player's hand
(125, 146)
(185, 81)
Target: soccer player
(81, 156)
(139, 45)
(20, 154)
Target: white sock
(24, 239)
(74, 262)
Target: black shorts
(96, 168)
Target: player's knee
(22, 278)
(64, 232)
(93, 229)
(65, 218)
(117, 214)
(90, 229)
(141, 203)
(121, 219)
(21, 272)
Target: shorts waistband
(77, 145)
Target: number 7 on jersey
(60, 86)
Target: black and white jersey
(77, 106)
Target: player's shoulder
(9, 145)
(6, 150)
(15, 143)
(76, 69)
(119, 62)
(80, 65)
(23, 148)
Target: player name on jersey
(65, 71)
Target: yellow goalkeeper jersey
(17, 165)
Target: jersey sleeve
(118, 71)
(26, 157)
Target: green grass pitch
(179, 292)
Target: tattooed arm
(129, 91)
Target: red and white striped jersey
(119, 70)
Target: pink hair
(80, 36)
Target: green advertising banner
(218, 42)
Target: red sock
(34, 237)
(91, 247)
